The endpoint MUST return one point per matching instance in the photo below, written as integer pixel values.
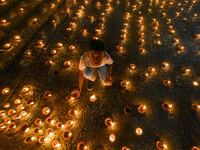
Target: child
(95, 60)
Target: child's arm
(80, 79)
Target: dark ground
(179, 129)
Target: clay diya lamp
(166, 106)
(112, 138)
(38, 121)
(47, 94)
(72, 112)
(42, 139)
(81, 146)
(2, 126)
(5, 91)
(127, 110)
(11, 126)
(142, 109)
(69, 123)
(67, 134)
(17, 101)
(24, 127)
(109, 122)
(138, 131)
(93, 98)
(46, 111)
(30, 102)
(55, 144)
(7, 121)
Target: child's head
(96, 52)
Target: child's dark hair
(96, 45)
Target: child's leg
(89, 74)
(102, 72)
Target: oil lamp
(42, 139)
(109, 122)
(11, 126)
(55, 144)
(176, 40)
(197, 36)
(161, 146)
(166, 82)
(132, 66)
(165, 64)
(67, 10)
(2, 113)
(7, 121)
(195, 83)
(48, 120)
(21, 10)
(15, 117)
(38, 121)
(23, 113)
(72, 47)
(30, 102)
(72, 112)
(112, 137)
(142, 109)
(7, 105)
(17, 101)
(49, 131)
(119, 48)
(24, 127)
(7, 46)
(2, 126)
(46, 111)
(184, 19)
(3, 21)
(60, 44)
(139, 131)
(81, 146)
(34, 20)
(69, 123)
(67, 134)
(36, 130)
(151, 69)
(28, 139)
(47, 94)
(5, 91)
(125, 148)
(185, 70)
(159, 43)
(20, 107)
(157, 35)
(17, 37)
(67, 63)
(59, 125)
(11, 112)
(93, 98)
(195, 107)
(166, 106)
(127, 110)
(124, 84)
(195, 148)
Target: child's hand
(76, 93)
